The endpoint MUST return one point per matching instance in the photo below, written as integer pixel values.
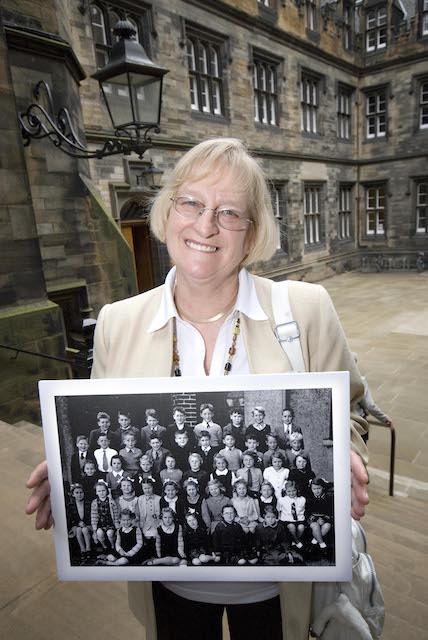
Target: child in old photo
(128, 499)
(206, 451)
(149, 510)
(252, 444)
(179, 424)
(171, 472)
(302, 475)
(223, 473)
(90, 478)
(229, 539)
(319, 512)
(115, 477)
(157, 453)
(291, 509)
(104, 454)
(152, 428)
(207, 424)
(246, 507)
(103, 420)
(266, 499)
(169, 540)
(259, 428)
(236, 427)
(271, 540)
(272, 447)
(197, 545)
(129, 543)
(232, 454)
(130, 455)
(196, 472)
(79, 519)
(194, 502)
(171, 498)
(78, 458)
(181, 449)
(104, 516)
(295, 449)
(252, 475)
(278, 473)
(146, 471)
(125, 427)
(216, 500)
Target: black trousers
(180, 619)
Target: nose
(206, 222)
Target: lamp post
(131, 85)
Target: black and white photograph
(200, 479)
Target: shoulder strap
(286, 329)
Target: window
(376, 114)
(347, 26)
(205, 74)
(375, 211)
(311, 15)
(376, 29)
(312, 214)
(309, 92)
(104, 18)
(423, 103)
(279, 208)
(265, 3)
(265, 85)
(422, 207)
(344, 230)
(424, 17)
(344, 112)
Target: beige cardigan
(124, 348)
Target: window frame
(377, 32)
(418, 184)
(423, 18)
(278, 193)
(312, 218)
(376, 214)
(311, 16)
(422, 87)
(140, 17)
(265, 72)
(348, 29)
(344, 116)
(376, 121)
(309, 107)
(345, 212)
(206, 73)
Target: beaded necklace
(232, 349)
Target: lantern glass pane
(146, 96)
(116, 92)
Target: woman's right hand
(40, 500)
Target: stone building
(331, 96)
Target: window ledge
(315, 246)
(199, 115)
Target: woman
(211, 318)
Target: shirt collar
(246, 302)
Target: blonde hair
(231, 156)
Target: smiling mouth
(201, 247)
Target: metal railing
(84, 365)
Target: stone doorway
(135, 229)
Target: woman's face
(201, 249)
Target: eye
(190, 203)
(229, 213)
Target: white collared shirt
(190, 344)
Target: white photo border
(338, 382)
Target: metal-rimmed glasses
(229, 219)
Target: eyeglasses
(191, 209)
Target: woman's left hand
(359, 482)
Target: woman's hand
(359, 482)
(40, 498)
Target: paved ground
(386, 319)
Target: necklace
(218, 316)
(232, 349)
